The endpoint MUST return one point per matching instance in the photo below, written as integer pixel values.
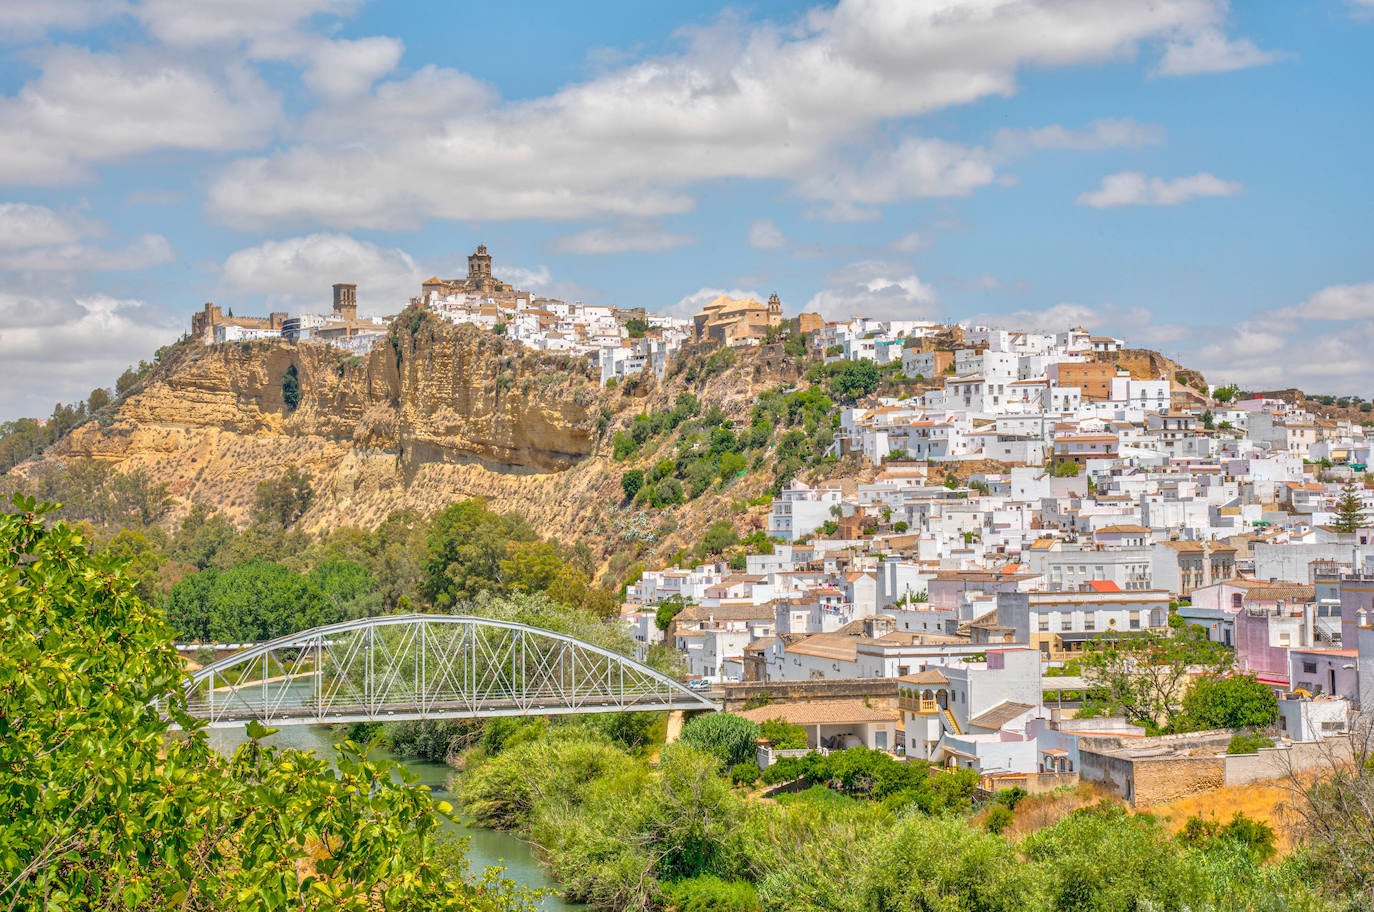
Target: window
(1309, 667)
(1090, 622)
(1044, 624)
(1236, 599)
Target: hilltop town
(953, 514)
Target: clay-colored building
(1095, 380)
(211, 325)
(736, 321)
(479, 280)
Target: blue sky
(1190, 176)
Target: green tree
(348, 586)
(852, 380)
(631, 482)
(291, 389)
(465, 545)
(725, 736)
(718, 536)
(1349, 509)
(1142, 675)
(101, 808)
(668, 609)
(784, 735)
(1233, 701)
(283, 500)
(635, 328)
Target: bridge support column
(676, 718)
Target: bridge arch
(426, 666)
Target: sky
(1185, 174)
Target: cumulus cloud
(1107, 133)
(24, 225)
(345, 68)
(910, 242)
(741, 101)
(1321, 345)
(766, 235)
(24, 20)
(88, 107)
(208, 22)
(1335, 302)
(298, 272)
(621, 239)
(146, 251)
(98, 335)
(914, 168)
(1210, 51)
(875, 288)
(1131, 188)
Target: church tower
(479, 267)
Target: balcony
(915, 705)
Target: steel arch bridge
(420, 666)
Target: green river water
(485, 847)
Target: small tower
(479, 266)
(346, 302)
(774, 308)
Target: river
(485, 847)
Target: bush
(784, 735)
(746, 773)
(631, 482)
(707, 893)
(1243, 743)
(725, 736)
(998, 819)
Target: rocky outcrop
(433, 399)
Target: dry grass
(1261, 801)
(1035, 812)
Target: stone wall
(1276, 762)
(880, 692)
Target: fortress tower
(346, 301)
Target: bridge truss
(420, 666)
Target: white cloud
(766, 235)
(24, 225)
(24, 20)
(1122, 133)
(910, 242)
(1210, 51)
(622, 239)
(1131, 188)
(743, 101)
(346, 68)
(98, 336)
(146, 251)
(1335, 302)
(196, 23)
(876, 289)
(299, 271)
(914, 168)
(89, 107)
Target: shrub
(784, 735)
(998, 819)
(725, 736)
(631, 482)
(1243, 743)
(707, 893)
(746, 773)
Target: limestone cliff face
(433, 399)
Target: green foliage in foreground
(103, 807)
(622, 833)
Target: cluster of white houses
(1116, 505)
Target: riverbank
(486, 847)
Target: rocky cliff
(434, 414)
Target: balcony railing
(911, 704)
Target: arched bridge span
(420, 666)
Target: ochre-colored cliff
(434, 412)
(437, 413)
